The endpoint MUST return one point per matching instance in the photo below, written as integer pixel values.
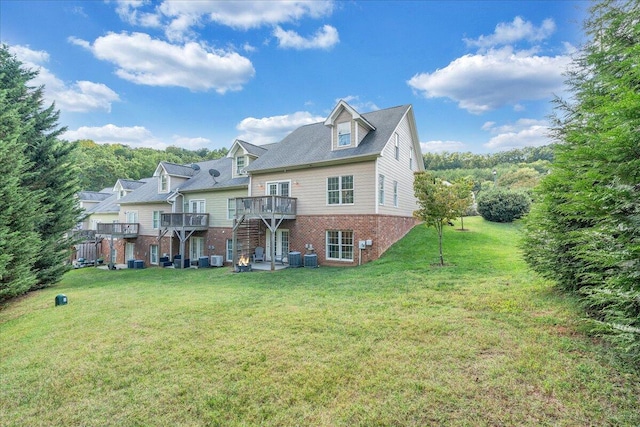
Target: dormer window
(240, 165)
(164, 183)
(344, 134)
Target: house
(347, 183)
(340, 191)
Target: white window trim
(381, 195)
(204, 205)
(239, 170)
(155, 225)
(231, 202)
(338, 126)
(157, 254)
(162, 176)
(326, 246)
(278, 191)
(341, 203)
(397, 146)
(395, 194)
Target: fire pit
(243, 264)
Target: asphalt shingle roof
(200, 180)
(311, 144)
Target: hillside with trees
(101, 165)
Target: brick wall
(381, 229)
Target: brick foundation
(382, 230)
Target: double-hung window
(395, 193)
(155, 220)
(231, 208)
(240, 164)
(340, 245)
(381, 189)
(397, 146)
(164, 183)
(340, 190)
(344, 134)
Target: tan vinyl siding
(216, 205)
(362, 132)
(309, 186)
(398, 170)
(145, 216)
(105, 218)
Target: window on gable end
(397, 145)
(344, 134)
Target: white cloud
(523, 133)
(133, 136)
(273, 129)
(80, 96)
(143, 60)
(359, 106)
(190, 143)
(441, 146)
(507, 33)
(484, 82)
(179, 17)
(324, 38)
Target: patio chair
(258, 255)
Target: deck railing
(124, 229)
(184, 220)
(278, 205)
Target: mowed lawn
(396, 342)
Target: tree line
(103, 164)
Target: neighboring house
(87, 200)
(339, 190)
(182, 210)
(350, 180)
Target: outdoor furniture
(258, 255)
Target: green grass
(396, 342)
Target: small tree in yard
(439, 202)
(463, 187)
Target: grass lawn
(396, 342)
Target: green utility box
(61, 299)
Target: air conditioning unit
(216, 261)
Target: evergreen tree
(54, 176)
(19, 242)
(584, 230)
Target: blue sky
(479, 74)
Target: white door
(129, 251)
(196, 248)
(282, 244)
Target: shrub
(500, 205)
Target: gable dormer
(124, 187)
(348, 127)
(172, 175)
(243, 154)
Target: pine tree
(584, 231)
(53, 179)
(19, 242)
